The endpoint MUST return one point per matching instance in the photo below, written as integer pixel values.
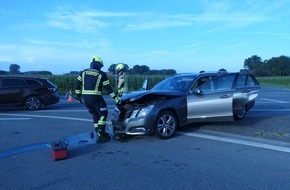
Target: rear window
(50, 84)
(12, 83)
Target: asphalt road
(249, 154)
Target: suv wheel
(166, 125)
(32, 103)
(240, 116)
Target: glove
(120, 93)
(118, 101)
(79, 99)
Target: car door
(212, 101)
(12, 90)
(247, 89)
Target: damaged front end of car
(136, 115)
(131, 116)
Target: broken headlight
(142, 112)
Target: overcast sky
(186, 35)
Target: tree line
(142, 70)
(136, 70)
(14, 69)
(276, 66)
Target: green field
(66, 83)
(275, 81)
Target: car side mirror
(197, 91)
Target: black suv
(27, 91)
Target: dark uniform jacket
(92, 82)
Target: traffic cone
(70, 98)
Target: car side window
(208, 86)
(250, 81)
(241, 82)
(33, 82)
(200, 81)
(224, 82)
(13, 83)
(245, 80)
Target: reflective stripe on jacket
(91, 82)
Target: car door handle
(225, 96)
(246, 91)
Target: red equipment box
(59, 150)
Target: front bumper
(133, 126)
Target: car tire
(166, 125)
(241, 116)
(32, 103)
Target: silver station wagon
(186, 98)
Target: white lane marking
(110, 110)
(50, 117)
(241, 142)
(46, 116)
(276, 101)
(264, 102)
(41, 111)
(11, 119)
(80, 110)
(272, 110)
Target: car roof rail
(223, 72)
(245, 71)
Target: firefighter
(89, 86)
(122, 86)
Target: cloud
(84, 20)
(222, 18)
(6, 52)
(220, 14)
(78, 43)
(269, 33)
(224, 15)
(75, 21)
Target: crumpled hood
(147, 96)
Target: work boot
(121, 137)
(103, 138)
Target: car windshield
(175, 83)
